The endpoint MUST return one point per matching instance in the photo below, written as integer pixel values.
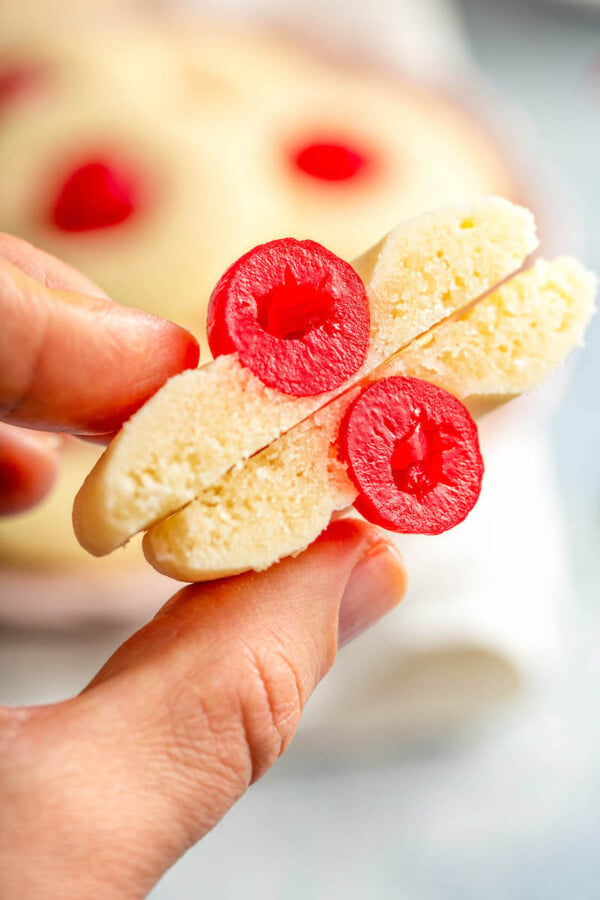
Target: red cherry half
(328, 161)
(412, 452)
(20, 79)
(297, 315)
(96, 194)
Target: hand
(100, 794)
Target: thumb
(188, 713)
(76, 362)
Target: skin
(101, 793)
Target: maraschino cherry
(96, 194)
(413, 454)
(20, 79)
(297, 315)
(330, 161)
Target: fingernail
(376, 586)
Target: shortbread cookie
(283, 497)
(218, 416)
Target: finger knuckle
(241, 723)
(271, 702)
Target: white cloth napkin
(482, 618)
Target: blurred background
(455, 750)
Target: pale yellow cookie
(415, 150)
(282, 498)
(47, 528)
(203, 422)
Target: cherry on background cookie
(297, 315)
(330, 161)
(21, 79)
(413, 454)
(96, 194)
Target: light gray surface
(512, 812)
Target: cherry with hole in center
(413, 454)
(297, 315)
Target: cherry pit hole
(417, 460)
(290, 311)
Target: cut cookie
(282, 498)
(203, 422)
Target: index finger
(77, 362)
(47, 269)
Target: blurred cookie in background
(46, 578)
(150, 161)
(143, 194)
(25, 18)
(33, 527)
(354, 153)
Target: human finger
(45, 268)
(116, 784)
(76, 363)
